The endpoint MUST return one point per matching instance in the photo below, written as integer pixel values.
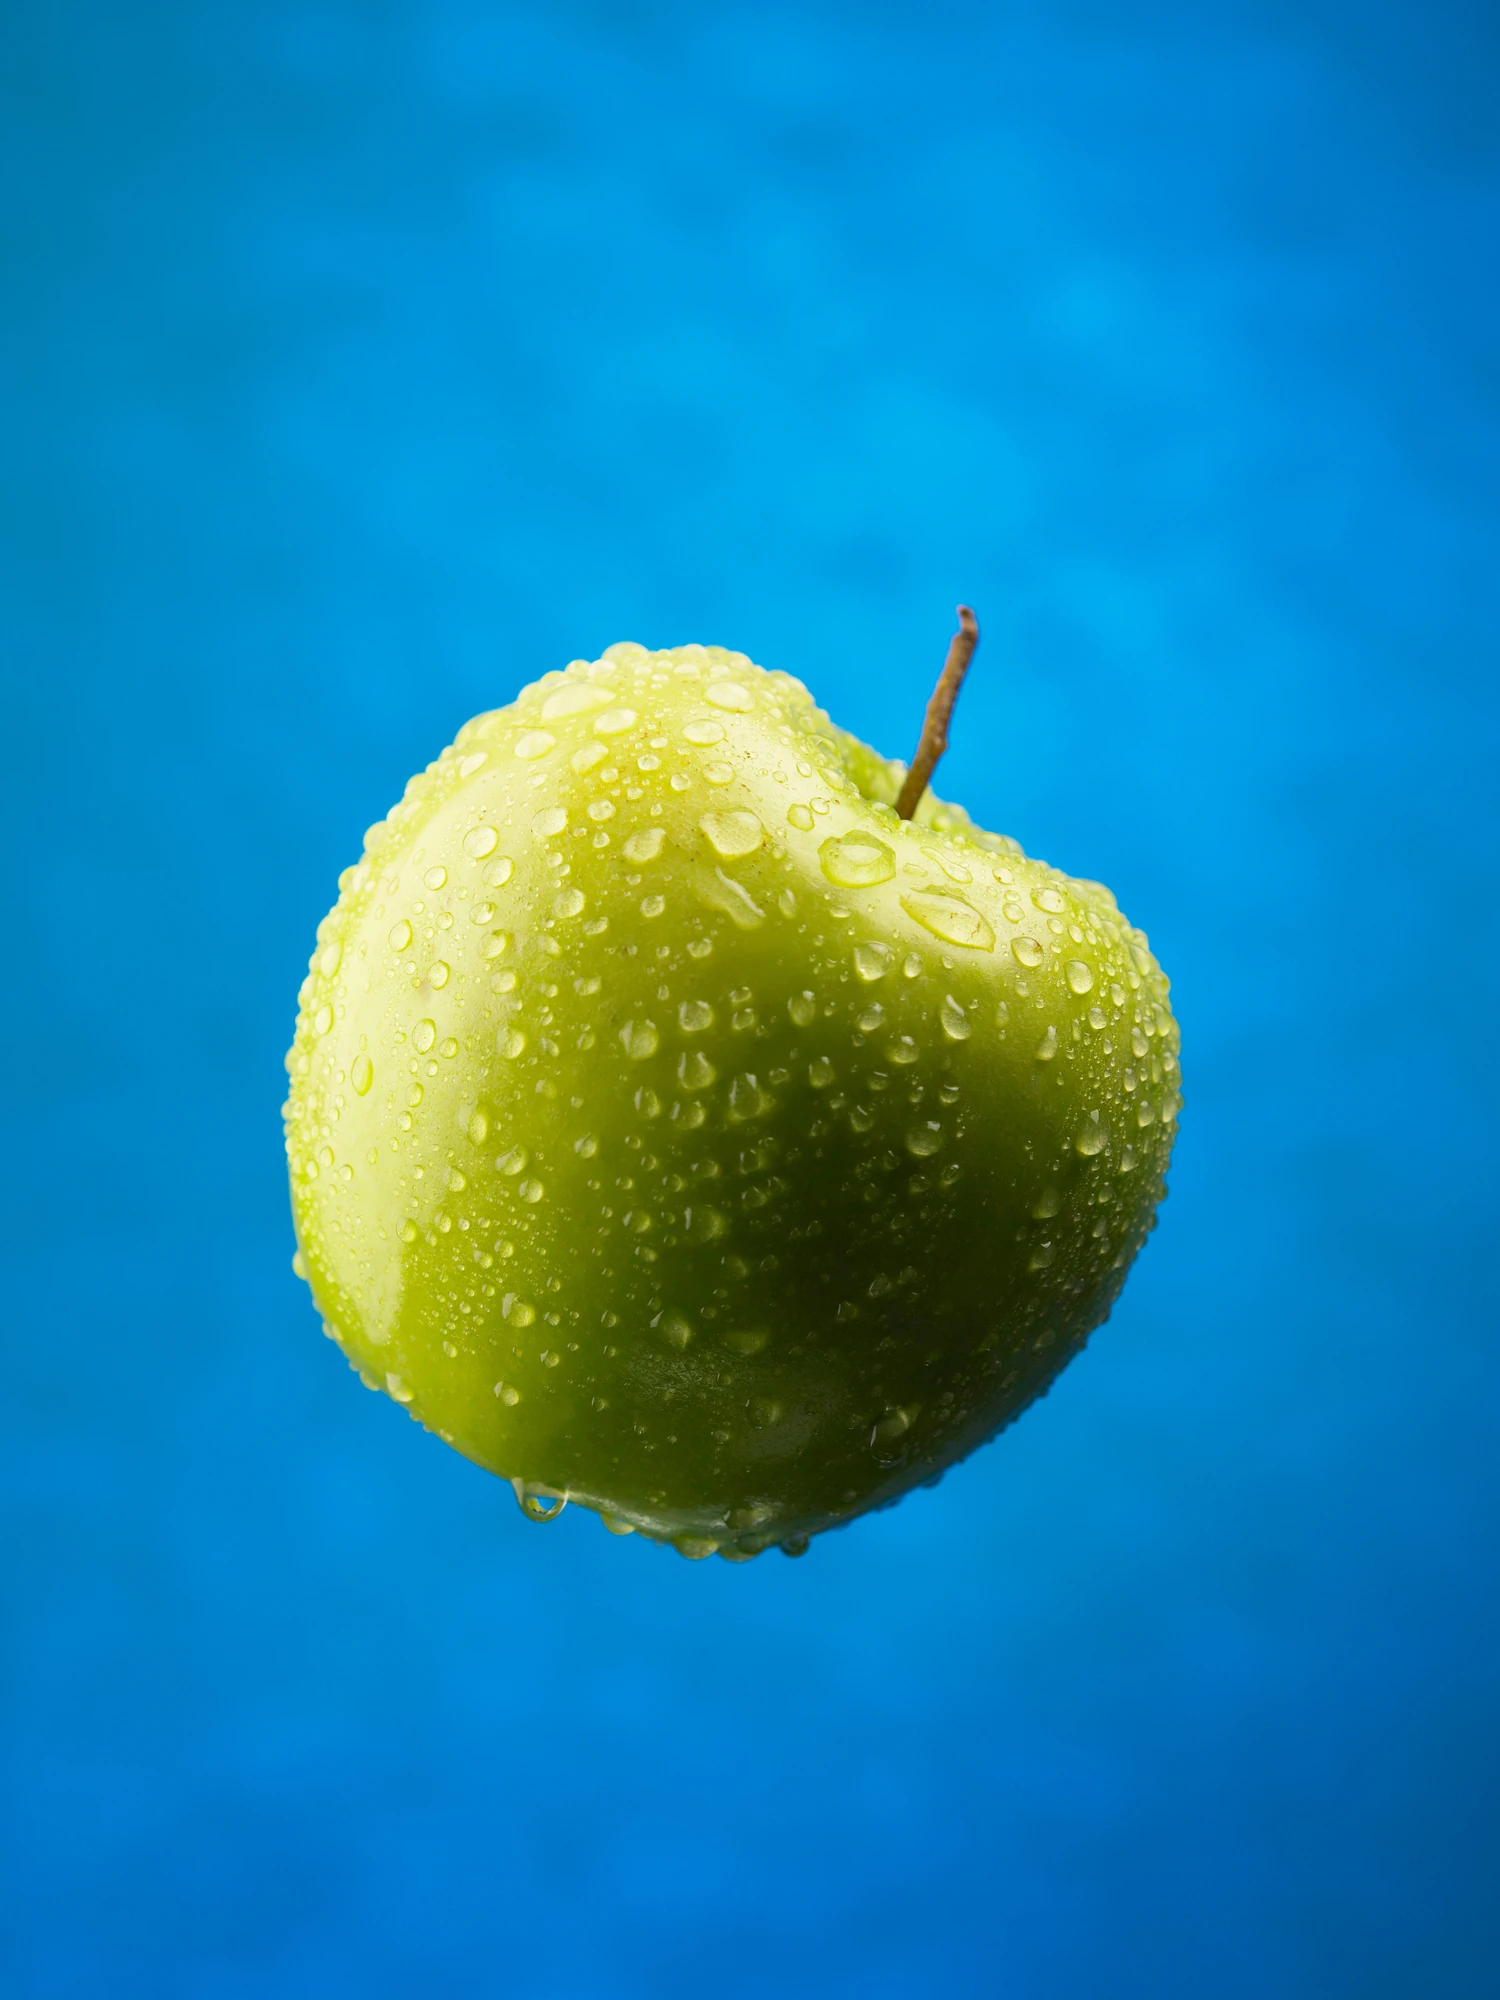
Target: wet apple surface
(675, 1129)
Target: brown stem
(935, 726)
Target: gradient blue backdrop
(362, 362)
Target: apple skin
(674, 1129)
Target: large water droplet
(436, 878)
(1046, 1048)
(1027, 950)
(323, 1020)
(676, 1329)
(361, 1074)
(639, 1039)
(800, 817)
(695, 1071)
(439, 973)
(730, 695)
(704, 732)
(400, 936)
(576, 699)
(499, 871)
(1080, 976)
(479, 1128)
(538, 1503)
(568, 902)
(1093, 1138)
(510, 1042)
(950, 918)
(425, 1036)
(925, 1139)
(732, 834)
(747, 1099)
(533, 743)
(803, 1008)
(645, 845)
(475, 761)
(549, 821)
(872, 961)
(955, 1022)
(481, 841)
(329, 959)
(1051, 900)
(615, 722)
(531, 1190)
(856, 860)
(694, 1016)
(482, 913)
(820, 1073)
(587, 756)
(734, 899)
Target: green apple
(676, 1130)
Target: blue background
(362, 363)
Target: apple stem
(934, 739)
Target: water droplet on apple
(746, 1099)
(438, 973)
(531, 1190)
(856, 860)
(795, 1545)
(1046, 1048)
(645, 845)
(479, 1128)
(718, 773)
(925, 1139)
(510, 1042)
(322, 1021)
(615, 722)
(576, 699)
(676, 1329)
(800, 817)
(1094, 1137)
(695, 1071)
(538, 1503)
(424, 1037)
(639, 1039)
(330, 958)
(904, 1050)
(1047, 1205)
(568, 902)
(704, 732)
(400, 936)
(499, 871)
(803, 1008)
(871, 1019)
(955, 1022)
(950, 918)
(533, 743)
(549, 821)
(475, 761)
(587, 756)
(435, 878)
(397, 1389)
(497, 945)
(694, 1016)
(1080, 976)
(820, 1073)
(872, 961)
(1041, 1257)
(730, 695)
(1051, 900)
(361, 1074)
(1096, 1016)
(732, 834)
(1145, 1112)
(1028, 952)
